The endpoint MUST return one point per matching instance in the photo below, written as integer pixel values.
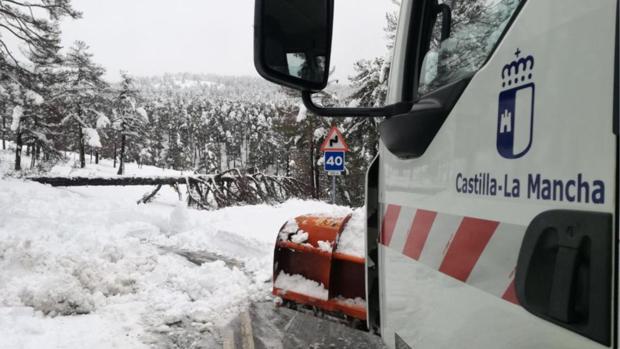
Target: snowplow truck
(491, 216)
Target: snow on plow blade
(309, 270)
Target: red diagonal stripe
(389, 222)
(466, 247)
(418, 233)
(511, 293)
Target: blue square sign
(334, 161)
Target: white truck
(492, 208)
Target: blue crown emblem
(519, 70)
(515, 118)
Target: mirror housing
(292, 42)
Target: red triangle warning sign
(334, 141)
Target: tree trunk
(114, 154)
(18, 151)
(96, 157)
(3, 132)
(317, 177)
(81, 147)
(33, 158)
(28, 150)
(121, 156)
(312, 178)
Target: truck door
(498, 191)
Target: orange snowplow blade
(306, 252)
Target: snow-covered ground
(105, 169)
(70, 166)
(86, 267)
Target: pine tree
(129, 119)
(83, 96)
(34, 25)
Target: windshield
(476, 29)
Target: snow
(102, 121)
(319, 133)
(352, 301)
(142, 112)
(352, 237)
(83, 258)
(299, 284)
(303, 113)
(289, 228)
(34, 97)
(18, 112)
(300, 237)
(86, 253)
(91, 136)
(325, 246)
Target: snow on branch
(18, 112)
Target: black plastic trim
(617, 177)
(616, 78)
(372, 246)
(446, 20)
(409, 135)
(411, 69)
(388, 110)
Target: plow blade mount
(309, 270)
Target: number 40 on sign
(334, 162)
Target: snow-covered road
(88, 268)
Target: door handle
(561, 301)
(564, 271)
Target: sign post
(334, 148)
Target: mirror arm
(446, 25)
(387, 111)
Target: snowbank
(352, 237)
(77, 259)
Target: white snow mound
(299, 284)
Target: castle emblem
(515, 119)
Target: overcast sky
(151, 37)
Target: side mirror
(292, 47)
(292, 42)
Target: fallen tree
(234, 188)
(224, 189)
(107, 181)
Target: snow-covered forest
(57, 101)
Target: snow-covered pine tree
(129, 118)
(33, 25)
(84, 98)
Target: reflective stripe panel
(418, 233)
(482, 253)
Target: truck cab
(492, 207)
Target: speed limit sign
(334, 161)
